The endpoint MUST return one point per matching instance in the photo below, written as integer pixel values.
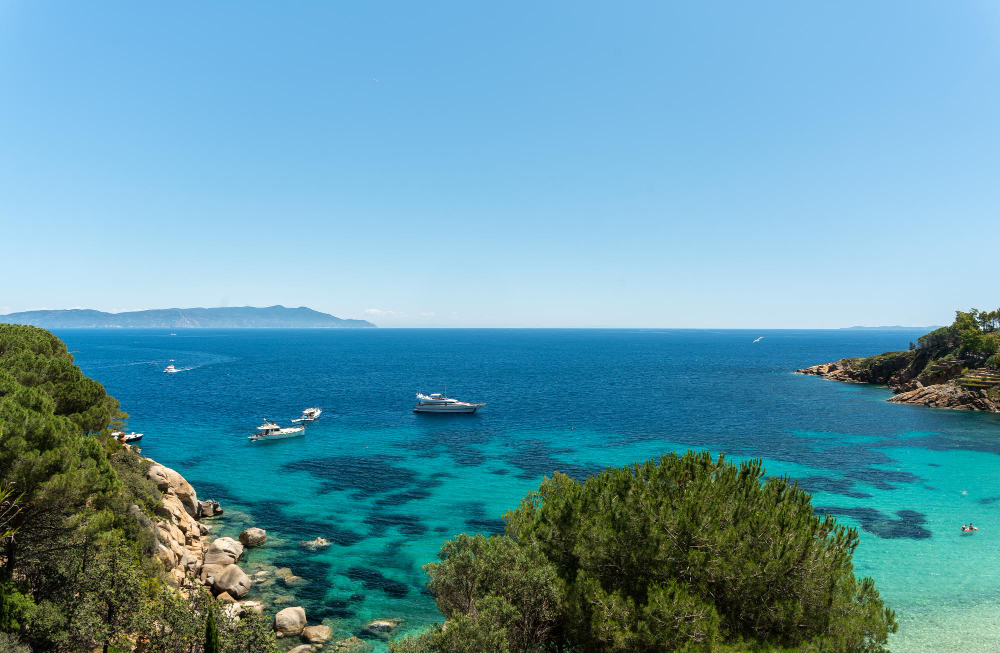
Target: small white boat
(271, 431)
(309, 415)
(126, 437)
(170, 369)
(438, 403)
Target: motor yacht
(309, 415)
(438, 403)
(170, 369)
(126, 437)
(271, 431)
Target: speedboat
(309, 415)
(438, 403)
(126, 437)
(170, 369)
(271, 431)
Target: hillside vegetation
(76, 565)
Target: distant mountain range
(186, 318)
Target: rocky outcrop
(183, 546)
(875, 369)
(171, 483)
(838, 371)
(252, 537)
(223, 551)
(231, 580)
(181, 538)
(922, 376)
(349, 645)
(948, 395)
(316, 634)
(290, 622)
(380, 628)
(209, 509)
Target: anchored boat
(438, 403)
(309, 415)
(126, 437)
(271, 431)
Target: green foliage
(79, 575)
(685, 553)
(15, 607)
(11, 643)
(977, 332)
(249, 634)
(518, 581)
(937, 337)
(211, 635)
(993, 362)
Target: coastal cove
(386, 486)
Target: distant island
(956, 366)
(236, 317)
(890, 328)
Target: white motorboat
(309, 415)
(170, 369)
(126, 437)
(271, 431)
(438, 403)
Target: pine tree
(211, 635)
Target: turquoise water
(386, 486)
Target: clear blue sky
(661, 164)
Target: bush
(683, 553)
(11, 643)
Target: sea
(386, 486)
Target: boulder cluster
(183, 545)
(181, 537)
(184, 548)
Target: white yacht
(170, 369)
(438, 403)
(126, 437)
(271, 431)
(309, 415)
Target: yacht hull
(446, 409)
(278, 436)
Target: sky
(505, 164)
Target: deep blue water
(387, 486)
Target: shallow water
(387, 486)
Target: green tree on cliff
(977, 332)
(684, 553)
(79, 574)
(211, 635)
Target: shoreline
(193, 560)
(940, 388)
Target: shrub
(684, 553)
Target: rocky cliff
(184, 545)
(924, 376)
(193, 559)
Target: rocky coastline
(194, 559)
(915, 378)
